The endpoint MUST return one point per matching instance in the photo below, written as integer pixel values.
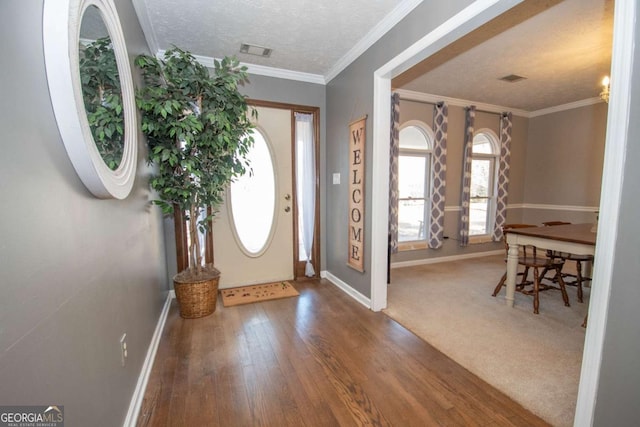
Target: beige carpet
(535, 359)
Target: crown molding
(389, 21)
(281, 73)
(410, 95)
(375, 34)
(564, 107)
(261, 70)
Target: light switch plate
(336, 178)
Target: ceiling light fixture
(252, 49)
(605, 89)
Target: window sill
(485, 238)
(412, 246)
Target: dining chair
(524, 282)
(529, 259)
(575, 279)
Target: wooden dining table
(578, 239)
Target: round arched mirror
(92, 92)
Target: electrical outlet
(123, 349)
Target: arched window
(484, 171)
(414, 181)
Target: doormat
(257, 293)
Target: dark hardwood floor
(320, 359)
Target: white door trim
(477, 14)
(460, 24)
(610, 199)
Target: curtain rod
(487, 112)
(418, 101)
(434, 103)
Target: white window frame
(426, 154)
(494, 158)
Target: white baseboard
(145, 372)
(346, 288)
(402, 264)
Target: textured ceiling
(308, 36)
(563, 47)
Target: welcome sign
(357, 142)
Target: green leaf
(196, 156)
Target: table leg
(587, 270)
(512, 270)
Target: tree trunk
(196, 256)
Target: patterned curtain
(503, 175)
(439, 172)
(394, 150)
(466, 175)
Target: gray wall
(349, 97)
(619, 385)
(77, 272)
(565, 155)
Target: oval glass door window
(253, 199)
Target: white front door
(253, 230)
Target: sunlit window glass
(253, 198)
(413, 184)
(482, 195)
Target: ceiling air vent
(512, 78)
(251, 49)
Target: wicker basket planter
(197, 297)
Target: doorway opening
(616, 144)
(297, 193)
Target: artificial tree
(198, 128)
(103, 99)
